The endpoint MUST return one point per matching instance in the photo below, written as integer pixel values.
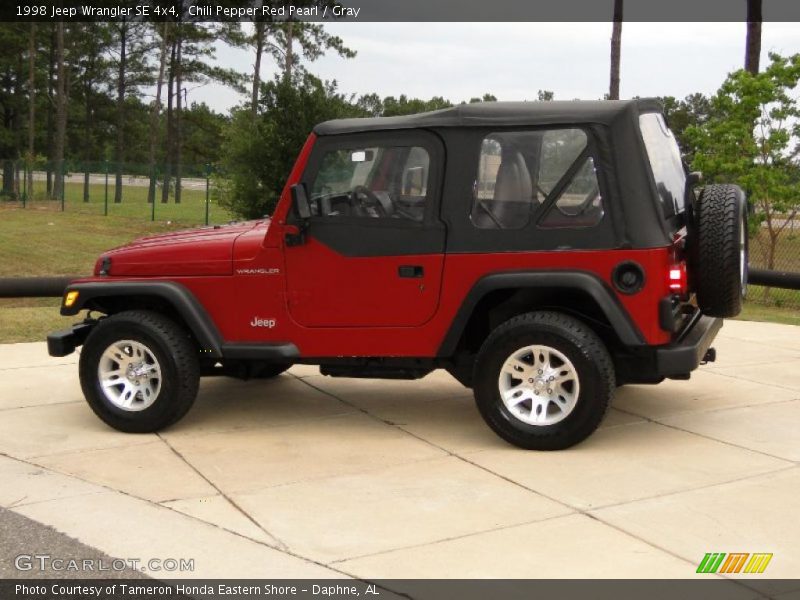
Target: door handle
(410, 271)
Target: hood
(201, 251)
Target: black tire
(720, 236)
(176, 354)
(573, 339)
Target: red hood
(201, 251)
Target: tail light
(677, 280)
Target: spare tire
(719, 250)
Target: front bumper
(685, 355)
(64, 342)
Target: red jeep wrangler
(544, 253)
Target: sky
(514, 60)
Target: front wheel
(543, 381)
(139, 371)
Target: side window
(503, 190)
(580, 203)
(560, 148)
(519, 171)
(665, 162)
(376, 182)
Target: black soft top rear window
(665, 162)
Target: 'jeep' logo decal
(259, 322)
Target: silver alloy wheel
(129, 375)
(539, 385)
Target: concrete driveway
(309, 476)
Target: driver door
(373, 250)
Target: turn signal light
(70, 298)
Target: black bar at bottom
(705, 587)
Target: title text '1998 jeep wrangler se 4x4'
(543, 253)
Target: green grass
(31, 323)
(40, 242)
(753, 311)
(37, 242)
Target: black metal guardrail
(34, 287)
(53, 287)
(779, 279)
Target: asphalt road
(20, 535)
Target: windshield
(665, 161)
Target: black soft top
(499, 114)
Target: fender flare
(178, 296)
(583, 281)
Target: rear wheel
(720, 250)
(139, 371)
(543, 381)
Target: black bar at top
(395, 10)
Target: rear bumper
(688, 352)
(64, 342)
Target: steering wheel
(364, 197)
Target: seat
(513, 180)
(513, 193)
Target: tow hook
(710, 356)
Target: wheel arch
(169, 298)
(498, 297)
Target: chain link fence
(781, 253)
(105, 188)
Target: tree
(484, 98)
(191, 62)
(763, 159)
(51, 105)
(258, 41)
(312, 39)
(279, 40)
(692, 111)
(257, 155)
(132, 68)
(155, 113)
(30, 154)
(203, 131)
(91, 69)
(545, 96)
(61, 113)
(616, 50)
(752, 53)
(403, 105)
(12, 103)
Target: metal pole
(105, 202)
(25, 186)
(63, 182)
(208, 175)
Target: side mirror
(300, 201)
(694, 178)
